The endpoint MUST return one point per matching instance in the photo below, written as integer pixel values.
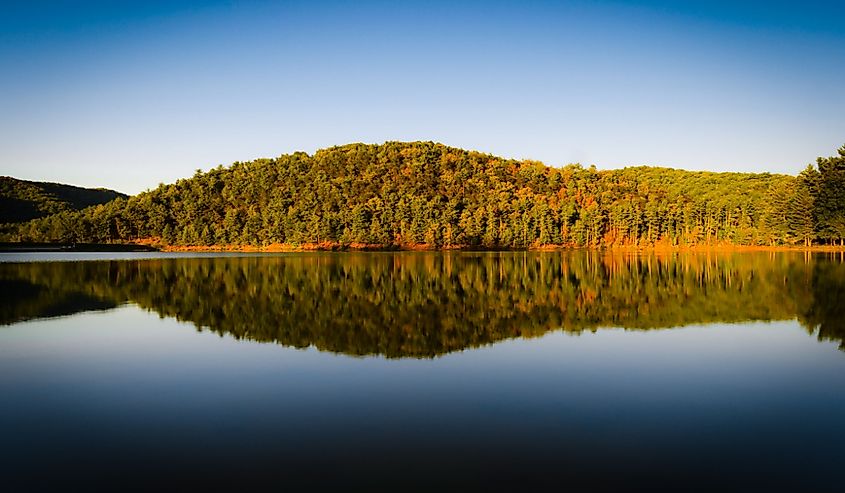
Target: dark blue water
(134, 393)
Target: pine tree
(830, 197)
(801, 207)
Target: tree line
(400, 194)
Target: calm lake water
(429, 371)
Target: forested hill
(421, 193)
(22, 200)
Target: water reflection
(428, 304)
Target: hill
(22, 200)
(412, 194)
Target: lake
(423, 371)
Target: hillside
(22, 200)
(426, 194)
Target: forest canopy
(408, 194)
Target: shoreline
(77, 247)
(313, 247)
(152, 246)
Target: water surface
(436, 371)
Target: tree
(801, 207)
(830, 197)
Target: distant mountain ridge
(23, 200)
(411, 195)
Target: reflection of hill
(422, 305)
(23, 300)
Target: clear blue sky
(128, 95)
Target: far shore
(25, 247)
(359, 247)
(152, 246)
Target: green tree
(830, 197)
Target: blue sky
(126, 95)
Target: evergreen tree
(830, 197)
(800, 214)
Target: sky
(127, 95)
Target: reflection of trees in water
(427, 304)
(824, 309)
